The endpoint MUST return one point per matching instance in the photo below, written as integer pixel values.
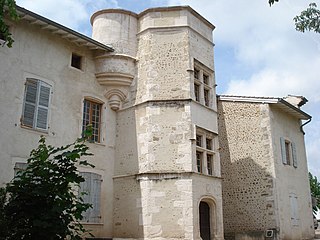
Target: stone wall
(246, 167)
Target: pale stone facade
(147, 85)
(261, 191)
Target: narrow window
(197, 92)
(206, 79)
(288, 157)
(199, 161)
(206, 94)
(209, 143)
(196, 73)
(90, 192)
(199, 140)
(92, 116)
(76, 61)
(36, 104)
(209, 164)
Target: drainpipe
(304, 125)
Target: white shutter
(294, 154)
(30, 102)
(43, 106)
(294, 209)
(36, 104)
(92, 187)
(95, 215)
(283, 150)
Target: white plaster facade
(262, 190)
(140, 73)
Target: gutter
(304, 125)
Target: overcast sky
(257, 52)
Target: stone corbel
(117, 87)
(115, 97)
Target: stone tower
(160, 82)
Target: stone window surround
(202, 151)
(203, 81)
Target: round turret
(118, 28)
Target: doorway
(204, 215)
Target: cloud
(74, 14)
(269, 58)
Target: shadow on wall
(248, 201)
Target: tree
(315, 191)
(7, 6)
(41, 202)
(308, 20)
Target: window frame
(204, 151)
(96, 138)
(38, 96)
(203, 85)
(288, 152)
(75, 57)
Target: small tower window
(76, 61)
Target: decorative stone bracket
(117, 86)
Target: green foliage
(272, 2)
(41, 202)
(7, 7)
(309, 19)
(315, 190)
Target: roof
(277, 102)
(58, 29)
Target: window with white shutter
(90, 191)
(36, 104)
(288, 152)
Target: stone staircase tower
(160, 81)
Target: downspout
(304, 125)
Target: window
(209, 143)
(199, 140)
(202, 84)
(209, 164)
(36, 104)
(204, 151)
(196, 73)
(288, 152)
(76, 61)
(206, 94)
(199, 161)
(92, 116)
(19, 167)
(206, 79)
(90, 192)
(197, 92)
